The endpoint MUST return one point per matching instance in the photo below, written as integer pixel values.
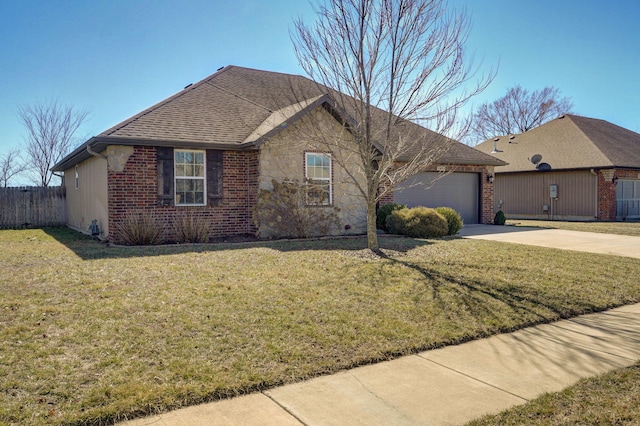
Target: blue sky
(118, 57)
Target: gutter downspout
(95, 154)
(95, 231)
(596, 175)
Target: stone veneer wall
(283, 157)
(136, 189)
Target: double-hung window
(318, 176)
(190, 177)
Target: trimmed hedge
(453, 219)
(417, 222)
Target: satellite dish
(536, 159)
(543, 166)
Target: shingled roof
(235, 108)
(568, 142)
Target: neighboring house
(209, 148)
(571, 168)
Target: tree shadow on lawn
(506, 310)
(474, 295)
(88, 248)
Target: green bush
(499, 218)
(383, 212)
(454, 220)
(417, 222)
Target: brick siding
(136, 189)
(607, 192)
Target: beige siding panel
(525, 195)
(89, 200)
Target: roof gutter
(95, 154)
(86, 150)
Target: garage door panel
(459, 191)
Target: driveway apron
(592, 242)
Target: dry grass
(610, 399)
(93, 334)
(616, 228)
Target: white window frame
(308, 178)
(202, 178)
(77, 177)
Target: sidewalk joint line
(284, 408)
(474, 378)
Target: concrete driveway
(618, 245)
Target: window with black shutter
(186, 176)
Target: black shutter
(214, 177)
(164, 157)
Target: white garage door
(460, 191)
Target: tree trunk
(372, 232)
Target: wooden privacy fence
(32, 207)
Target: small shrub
(396, 221)
(139, 228)
(190, 227)
(418, 222)
(499, 218)
(454, 220)
(284, 211)
(383, 212)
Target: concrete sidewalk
(446, 386)
(619, 245)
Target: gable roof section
(224, 108)
(568, 142)
(235, 108)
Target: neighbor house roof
(235, 108)
(568, 142)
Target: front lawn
(609, 399)
(91, 334)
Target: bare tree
(50, 131)
(392, 63)
(517, 112)
(10, 166)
